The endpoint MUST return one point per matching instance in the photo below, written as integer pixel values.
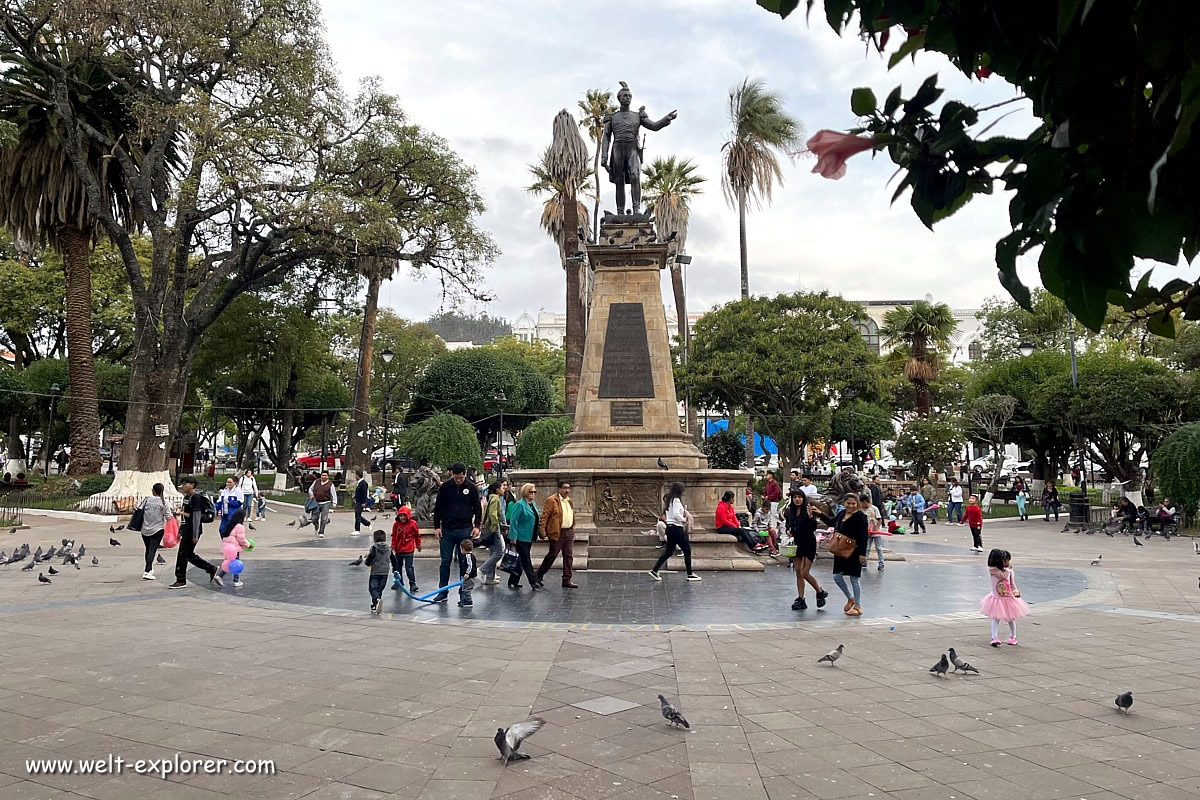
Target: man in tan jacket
(558, 523)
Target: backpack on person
(208, 510)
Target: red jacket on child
(974, 516)
(406, 537)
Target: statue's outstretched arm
(658, 125)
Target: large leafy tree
(988, 415)
(785, 360)
(926, 330)
(1022, 378)
(1174, 463)
(594, 109)
(479, 328)
(1005, 326)
(670, 184)
(934, 442)
(863, 425)
(1105, 177)
(1123, 408)
(760, 131)
(267, 175)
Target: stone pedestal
(627, 415)
(627, 420)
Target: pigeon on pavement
(1125, 701)
(159, 559)
(941, 666)
(95, 561)
(1138, 542)
(508, 740)
(37, 555)
(357, 563)
(29, 566)
(42, 578)
(671, 713)
(833, 655)
(52, 571)
(113, 542)
(82, 550)
(292, 524)
(961, 663)
(1096, 563)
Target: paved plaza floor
(292, 668)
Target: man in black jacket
(190, 529)
(360, 503)
(457, 515)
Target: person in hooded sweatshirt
(380, 562)
(406, 539)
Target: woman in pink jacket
(233, 544)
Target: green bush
(1174, 464)
(444, 439)
(95, 484)
(724, 450)
(541, 440)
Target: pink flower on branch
(833, 148)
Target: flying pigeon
(1125, 701)
(159, 559)
(662, 464)
(1096, 563)
(52, 571)
(43, 579)
(29, 566)
(960, 663)
(95, 561)
(671, 713)
(941, 666)
(113, 542)
(357, 563)
(833, 655)
(1138, 542)
(305, 521)
(508, 740)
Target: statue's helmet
(624, 90)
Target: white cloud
(490, 77)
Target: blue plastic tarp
(763, 445)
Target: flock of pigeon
(65, 550)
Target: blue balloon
(236, 566)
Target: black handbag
(137, 520)
(511, 563)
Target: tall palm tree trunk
(576, 319)
(81, 363)
(360, 419)
(745, 259)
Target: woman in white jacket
(676, 517)
(249, 489)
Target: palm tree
(926, 329)
(564, 164)
(670, 184)
(761, 129)
(593, 110)
(554, 203)
(43, 201)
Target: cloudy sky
(490, 76)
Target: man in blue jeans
(954, 493)
(457, 515)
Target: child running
(233, 544)
(406, 539)
(974, 518)
(1004, 602)
(380, 562)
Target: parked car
(313, 460)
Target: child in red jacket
(406, 539)
(974, 518)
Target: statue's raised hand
(674, 113)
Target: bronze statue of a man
(624, 164)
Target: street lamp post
(54, 392)
(387, 355)
(500, 401)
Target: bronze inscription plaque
(626, 370)
(627, 413)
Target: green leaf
(837, 13)
(780, 7)
(1162, 325)
(925, 95)
(911, 45)
(892, 103)
(862, 101)
(1006, 264)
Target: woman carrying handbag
(676, 517)
(849, 549)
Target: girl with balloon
(233, 545)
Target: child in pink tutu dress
(234, 543)
(1004, 602)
